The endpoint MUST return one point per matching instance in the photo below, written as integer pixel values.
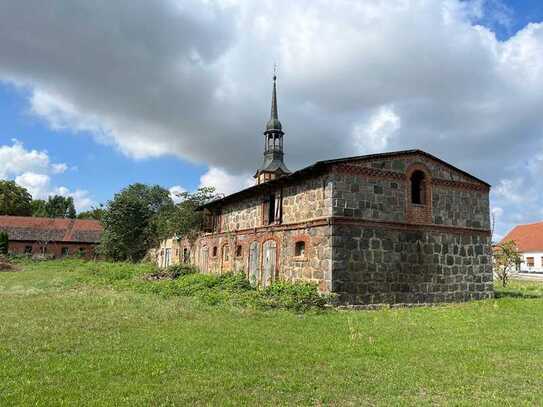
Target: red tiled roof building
(52, 237)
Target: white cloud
(175, 191)
(82, 199)
(59, 168)
(15, 159)
(37, 184)
(32, 169)
(223, 182)
(377, 74)
(376, 133)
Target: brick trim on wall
(418, 213)
(376, 173)
(332, 220)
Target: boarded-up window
(273, 208)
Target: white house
(529, 241)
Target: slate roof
(25, 228)
(320, 165)
(528, 238)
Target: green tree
(59, 206)
(39, 208)
(14, 199)
(131, 221)
(93, 213)
(506, 257)
(4, 243)
(184, 221)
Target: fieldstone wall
(243, 214)
(460, 207)
(387, 198)
(309, 199)
(358, 196)
(373, 265)
(314, 266)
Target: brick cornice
(377, 173)
(344, 220)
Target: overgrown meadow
(97, 333)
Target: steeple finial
(274, 114)
(274, 123)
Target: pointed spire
(274, 123)
(274, 114)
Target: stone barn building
(400, 227)
(53, 238)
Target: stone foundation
(378, 265)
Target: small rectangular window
(226, 253)
(530, 261)
(239, 251)
(215, 251)
(28, 249)
(65, 251)
(299, 249)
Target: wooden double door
(264, 275)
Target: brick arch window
(418, 194)
(418, 189)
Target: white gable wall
(538, 262)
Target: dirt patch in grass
(5, 265)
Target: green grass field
(69, 339)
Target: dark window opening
(186, 255)
(238, 251)
(299, 248)
(65, 251)
(271, 209)
(28, 249)
(215, 251)
(82, 251)
(417, 188)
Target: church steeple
(273, 165)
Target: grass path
(67, 343)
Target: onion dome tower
(273, 166)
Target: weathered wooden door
(270, 254)
(204, 260)
(254, 260)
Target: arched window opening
(215, 251)
(417, 188)
(299, 249)
(239, 251)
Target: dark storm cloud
(192, 78)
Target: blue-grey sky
(97, 95)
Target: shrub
(171, 273)
(298, 296)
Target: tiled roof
(528, 238)
(54, 230)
